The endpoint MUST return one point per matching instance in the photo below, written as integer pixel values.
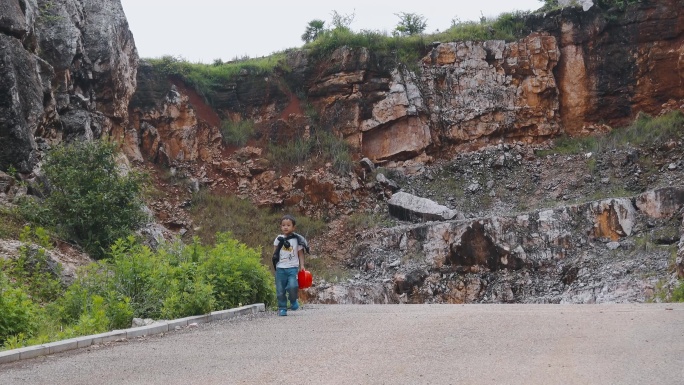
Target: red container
(304, 278)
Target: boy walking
(288, 259)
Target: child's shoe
(295, 305)
(282, 312)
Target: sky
(205, 30)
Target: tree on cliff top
(314, 29)
(410, 24)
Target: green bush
(678, 292)
(17, 311)
(89, 200)
(31, 270)
(322, 146)
(237, 133)
(235, 272)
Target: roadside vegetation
(88, 201)
(174, 281)
(254, 226)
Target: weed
(237, 133)
(364, 221)
(254, 226)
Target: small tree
(313, 30)
(410, 24)
(90, 201)
(340, 21)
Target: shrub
(237, 133)
(17, 311)
(256, 227)
(322, 145)
(89, 200)
(235, 272)
(32, 270)
(678, 292)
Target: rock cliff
(525, 229)
(68, 71)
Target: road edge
(155, 328)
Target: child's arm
(301, 259)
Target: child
(288, 259)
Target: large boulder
(409, 207)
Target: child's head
(287, 224)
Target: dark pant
(286, 285)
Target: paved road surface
(393, 344)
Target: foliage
(237, 133)
(236, 274)
(31, 270)
(678, 292)
(619, 4)
(89, 201)
(342, 21)
(256, 227)
(11, 223)
(645, 130)
(322, 145)
(410, 24)
(313, 30)
(407, 49)
(550, 5)
(205, 78)
(17, 311)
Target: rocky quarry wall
(69, 71)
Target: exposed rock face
(559, 255)
(68, 72)
(610, 69)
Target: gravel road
(392, 344)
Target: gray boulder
(408, 207)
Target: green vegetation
(11, 223)
(410, 24)
(409, 46)
(237, 133)
(254, 226)
(678, 292)
(645, 130)
(204, 78)
(174, 281)
(89, 200)
(313, 30)
(321, 145)
(363, 221)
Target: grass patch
(329, 273)
(408, 50)
(364, 221)
(206, 77)
(322, 146)
(645, 130)
(237, 133)
(11, 223)
(256, 227)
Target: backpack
(281, 241)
